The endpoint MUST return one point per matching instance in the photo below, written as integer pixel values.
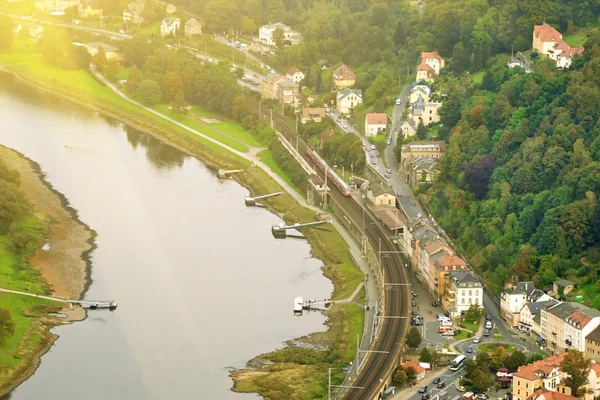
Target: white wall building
(347, 99)
(375, 123)
(169, 26)
(265, 34)
(468, 290)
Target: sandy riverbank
(65, 265)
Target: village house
(543, 394)
(287, 92)
(110, 51)
(408, 128)
(434, 60)
(529, 313)
(425, 73)
(30, 28)
(592, 345)
(427, 153)
(347, 99)
(552, 324)
(422, 170)
(134, 12)
(271, 85)
(540, 374)
(419, 371)
(381, 195)
(579, 325)
(90, 8)
(192, 27)
(295, 75)
(375, 123)
(417, 231)
(513, 300)
(563, 285)
(424, 112)
(419, 88)
(169, 26)
(315, 114)
(265, 34)
(445, 265)
(430, 251)
(55, 5)
(343, 77)
(548, 42)
(464, 289)
(323, 64)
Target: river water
(202, 285)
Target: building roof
(590, 312)
(344, 73)
(378, 189)
(430, 54)
(408, 204)
(534, 370)
(391, 217)
(293, 70)
(544, 394)
(535, 294)
(563, 282)
(535, 307)
(376, 119)
(561, 310)
(424, 163)
(97, 45)
(424, 67)
(546, 33)
(170, 21)
(438, 255)
(578, 319)
(424, 145)
(313, 113)
(416, 367)
(526, 287)
(464, 278)
(452, 259)
(192, 21)
(434, 245)
(288, 84)
(347, 91)
(594, 335)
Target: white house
(381, 195)
(265, 34)
(347, 99)
(467, 290)
(295, 75)
(315, 114)
(579, 325)
(169, 26)
(434, 60)
(511, 303)
(419, 89)
(529, 312)
(134, 12)
(409, 128)
(192, 27)
(548, 42)
(375, 123)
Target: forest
(521, 174)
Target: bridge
(89, 304)
(251, 201)
(279, 231)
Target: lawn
(355, 315)
(470, 326)
(478, 77)
(266, 157)
(153, 28)
(462, 335)
(490, 347)
(576, 39)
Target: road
(104, 32)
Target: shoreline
(251, 179)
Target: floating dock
(279, 231)
(251, 201)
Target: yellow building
(592, 345)
(381, 195)
(543, 374)
(343, 77)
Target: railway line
(378, 366)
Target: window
(527, 385)
(446, 268)
(463, 301)
(470, 293)
(469, 300)
(519, 383)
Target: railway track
(377, 366)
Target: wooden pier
(280, 231)
(251, 201)
(88, 304)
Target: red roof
(424, 67)
(451, 260)
(546, 33)
(293, 70)
(344, 73)
(416, 367)
(376, 119)
(531, 371)
(543, 394)
(436, 244)
(430, 54)
(578, 319)
(313, 113)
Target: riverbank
(337, 345)
(62, 269)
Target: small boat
(298, 304)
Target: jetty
(280, 231)
(227, 174)
(251, 201)
(88, 304)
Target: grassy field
(576, 39)
(490, 347)
(266, 157)
(478, 77)
(463, 335)
(470, 326)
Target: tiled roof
(424, 67)
(376, 119)
(416, 367)
(313, 112)
(563, 282)
(544, 394)
(344, 73)
(379, 189)
(533, 371)
(594, 335)
(578, 319)
(422, 144)
(293, 70)
(434, 245)
(347, 91)
(452, 260)
(430, 54)
(546, 33)
(527, 287)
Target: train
(331, 175)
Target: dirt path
(62, 266)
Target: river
(202, 286)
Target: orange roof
(313, 112)
(424, 67)
(293, 70)
(430, 54)
(543, 394)
(344, 73)
(546, 33)
(578, 319)
(376, 119)
(596, 368)
(433, 246)
(533, 371)
(451, 260)
(416, 367)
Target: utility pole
(325, 200)
(329, 386)
(271, 118)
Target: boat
(298, 305)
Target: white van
(446, 323)
(442, 318)
(488, 324)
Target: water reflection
(160, 154)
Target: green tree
(425, 355)
(172, 85)
(422, 131)
(498, 357)
(483, 361)
(134, 79)
(400, 376)
(99, 59)
(481, 380)
(248, 26)
(411, 375)
(413, 338)
(474, 313)
(577, 369)
(6, 32)
(278, 37)
(514, 360)
(112, 68)
(7, 326)
(148, 92)
(55, 45)
(179, 105)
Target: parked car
(399, 194)
(442, 317)
(389, 141)
(469, 350)
(486, 332)
(477, 340)
(488, 317)
(374, 162)
(441, 385)
(435, 304)
(397, 102)
(389, 171)
(387, 176)
(414, 303)
(448, 333)
(424, 397)
(436, 381)
(461, 389)
(482, 396)
(414, 313)
(488, 325)
(413, 294)
(423, 389)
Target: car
(338, 120)
(488, 317)
(373, 147)
(482, 396)
(372, 155)
(424, 397)
(436, 381)
(477, 340)
(461, 389)
(389, 171)
(414, 312)
(387, 176)
(441, 385)
(345, 126)
(423, 389)
(435, 304)
(413, 294)
(414, 303)
(448, 333)
(397, 102)
(443, 318)
(374, 162)
(469, 350)
(389, 141)
(486, 332)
